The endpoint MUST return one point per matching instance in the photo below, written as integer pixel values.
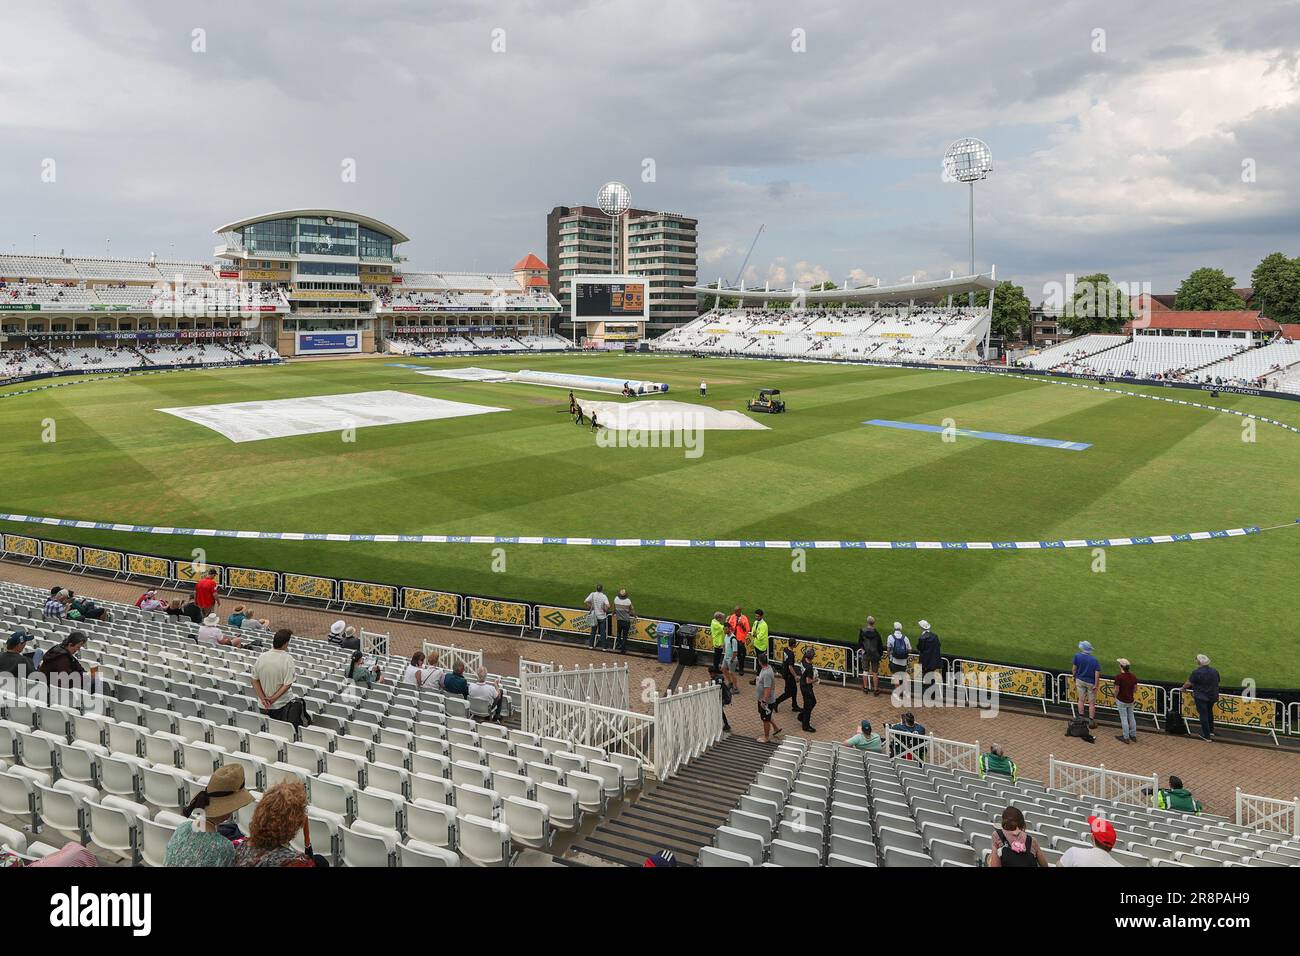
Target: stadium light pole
(968, 161)
(614, 199)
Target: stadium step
(681, 813)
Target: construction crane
(736, 283)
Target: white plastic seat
(78, 762)
(418, 853)
(835, 859)
(477, 801)
(895, 856)
(529, 822)
(63, 807)
(513, 785)
(794, 854)
(18, 796)
(430, 822)
(427, 787)
(364, 847)
(713, 856)
(483, 842)
(463, 772)
(591, 792)
(379, 808)
(562, 805)
(155, 834)
(611, 777)
(164, 787)
(114, 825)
(739, 841)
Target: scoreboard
(609, 299)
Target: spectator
(1204, 685)
(175, 609)
(715, 675)
(359, 673)
(237, 617)
(598, 604)
(57, 606)
(489, 693)
(729, 652)
(718, 633)
(761, 639)
(900, 650)
(765, 690)
(1125, 685)
(196, 842)
(149, 601)
(84, 609)
(739, 625)
(273, 674)
(808, 680)
(909, 749)
(928, 648)
(866, 739)
(280, 814)
(455, 682)
(1178, 798)
(61, 659)
(15, 660)
(871, 647)
(790, 673)
(205, 592)
(1103, 841)
(1086, 670)
(350, 642)
(1012, 845)
(997, 762)
(192, 611)
(624, 612)
(210, 633)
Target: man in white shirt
(624, 612)
(598, 604)
(1103, 840)
(273, 674)
(481, 690)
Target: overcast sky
(1120, 131)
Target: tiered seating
(395, 775)
(1158, 356)
(1262, 367)
(21, 362)
(1064, 353)
(37, 267)
(134, 270)
(52, 293)
(407, 344)
(880, 334)
(98, 358)
(825, 802)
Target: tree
(1010, 309)
(824, 287)
(704, 301)
(1098, 305)
(1207, 289)
(1277, 287)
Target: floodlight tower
(968, 161)
(614, 200)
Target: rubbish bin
(664, 634)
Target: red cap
(1102, 832)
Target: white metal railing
(1268, 813)
(372, 642)
(527, 667)
(604, 685)
(686, 724)
(1102, 784)
(449, 655)
(934, 751)
(582, 722)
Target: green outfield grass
(819, 473)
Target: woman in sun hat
(196, 842)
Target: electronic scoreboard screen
(609, 300)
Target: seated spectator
(1103, 841)
(237, 617)
(360, 674)
(57, 606)
(280, 814)
(350, 640)
(193, 611)
(909, 725)
(210, 633)
(149, 601)
(174, 609)
(196, 842)
(16, 660)
(1012, 845)
(422, 673)
(490, 693)
(1177, 797)
(455, 682)
(84, 609)
(995, 761)
(71, 855)
(864, 739)
(61, 659)
(336, 632)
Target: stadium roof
(367, 221)
(1225, 321)
(920, 289)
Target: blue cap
(19, 637)
(1085, 646)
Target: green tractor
(766, 401)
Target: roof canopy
(920, 289)
(367, 221)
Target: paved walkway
(1211, 770)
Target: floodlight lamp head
(967, 161)
(614, 199)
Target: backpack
(1175, 722)
(1078, 727)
